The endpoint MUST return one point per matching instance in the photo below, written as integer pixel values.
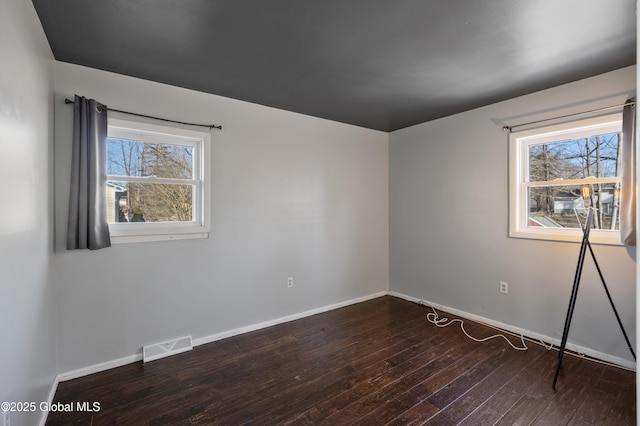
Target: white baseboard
(96, 368)
(265, 324)
(52, 393)
(630, 365)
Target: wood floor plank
(332, 375)
(395, 361)
(622, 411)
(538, 374)
(398, 366)
(570, 394)
(597, 404)
(376, 362)
(375, 394)
(541, 395)
(485, 386)
(441, 387)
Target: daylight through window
(156, 182)
(548, 168)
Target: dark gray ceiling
(380, 64)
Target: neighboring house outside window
(157, 182)
(548, 168)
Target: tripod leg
(574, 294)
(572, 304)
(572, 301)
(615, 311)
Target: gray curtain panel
(87, 225)
(628, 176)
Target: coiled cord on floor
(435, 319)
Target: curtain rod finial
(506, 129)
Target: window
(157, 182)
(548, 168)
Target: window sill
(572, 236)
(150, 232)
(127, 239)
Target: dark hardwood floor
(377, 362)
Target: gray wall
(448, 185)
(27, 297)
(292, 196)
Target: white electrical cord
(434, 318)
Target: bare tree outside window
(169, 198)
(554, 205)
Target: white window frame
(147, 231)
(519, 183)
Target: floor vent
(164, 349)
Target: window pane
(575, 158)
(145, 202)
(136, 158)
(560, 206)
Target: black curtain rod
(510, 128)
(104, 108)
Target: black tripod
(574, 294)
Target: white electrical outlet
(290, 282)
(5, 420)
(504, 287)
